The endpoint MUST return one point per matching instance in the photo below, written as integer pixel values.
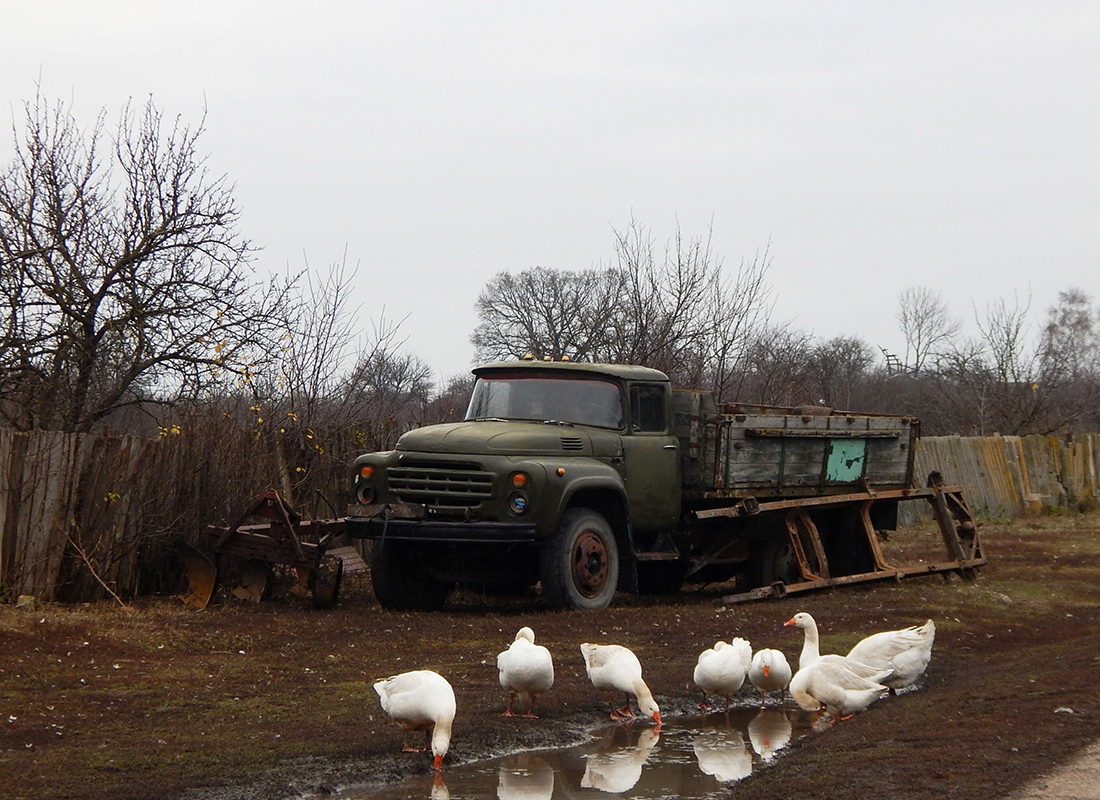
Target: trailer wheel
(400, 583)
(579, 564)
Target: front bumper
(401, 522)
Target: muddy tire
(579, 565)
(400, 582)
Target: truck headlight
(517, 502)
(365, 494)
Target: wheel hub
(589, 564)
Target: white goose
(834, 685)
(612, 667)
(811, 654)
(769, 672)
(420, 700)
(906, 651)
(722, 669)
(526, 669)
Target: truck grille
(440, 486)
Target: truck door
(652, 460)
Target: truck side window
(647, 408)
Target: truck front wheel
(400, 582)
(579, 564)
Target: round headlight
(365, 494)
(517, 501)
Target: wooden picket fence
(1011, 476)
(79, 513)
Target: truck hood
(492, 437)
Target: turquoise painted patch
(847, 458)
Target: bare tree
(927, 325)
(679, 311)
(777, 368)
(547, 313)
(840, 367)
(685, 314)
(123, 277)
(1071, 338)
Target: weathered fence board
(1011, 476)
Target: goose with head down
(722, 669)
(526, 670)
(611, 668)
(906, 651)
(420, 700)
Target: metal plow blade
(201, 574)
(252, 581)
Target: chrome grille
(440, 486)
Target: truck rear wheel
(773, 561)
(400, 582)
(579, 564)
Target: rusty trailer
(806, 564)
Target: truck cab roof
(625, 372)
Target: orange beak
(767, 669)
(438, 763)
(789, 622)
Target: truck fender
(604, 492)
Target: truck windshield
(584, 402)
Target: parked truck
(589, 479)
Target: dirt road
(275, 700)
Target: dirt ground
(275, 701)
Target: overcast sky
(875, 145)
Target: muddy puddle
(690, 757)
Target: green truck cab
(559, 474)
(587, 479)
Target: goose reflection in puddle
(723, 754)
(525, 777)
(769, 731)
(617, 770)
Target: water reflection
(689, 758)
(525, 776)
(723, 754)
(770, 731)
(617, 769)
